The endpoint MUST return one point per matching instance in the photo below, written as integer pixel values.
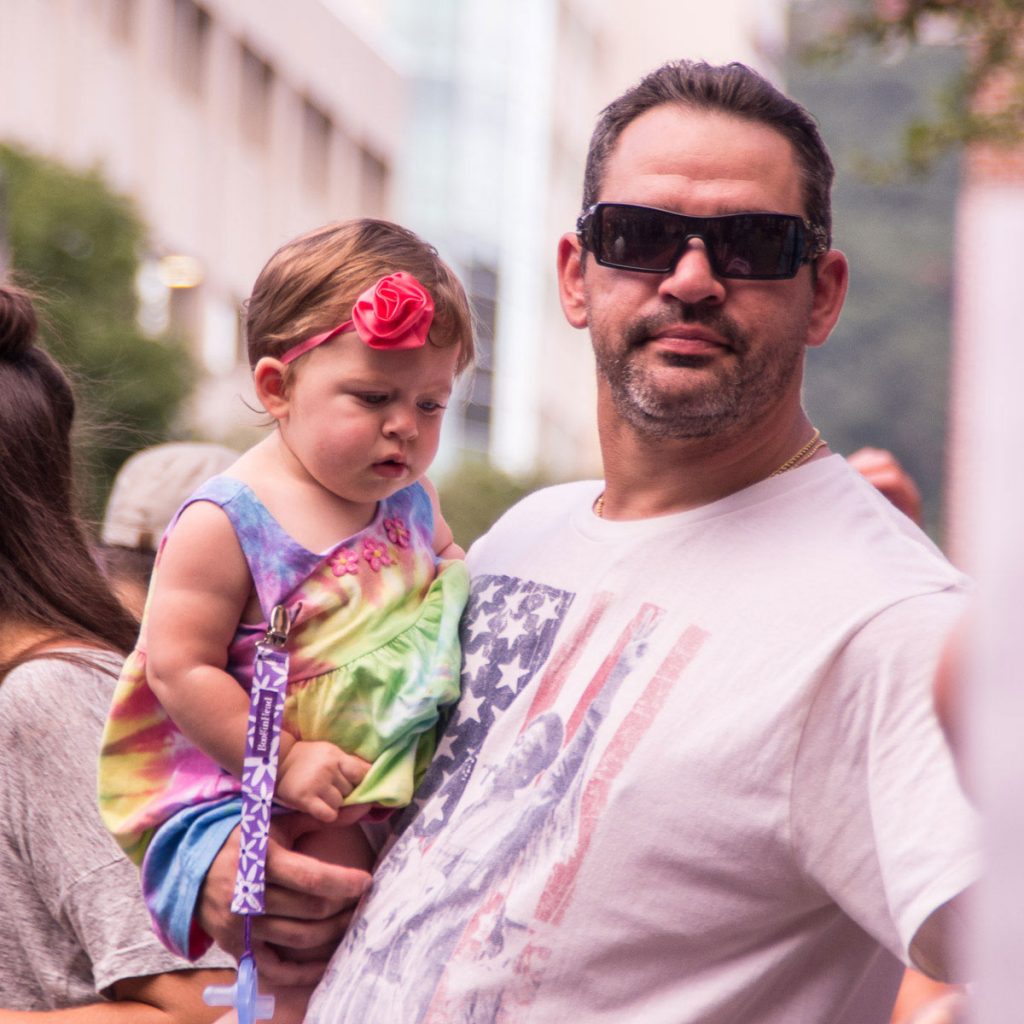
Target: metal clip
(277, 635)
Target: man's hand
(309, 901)
(316, 776)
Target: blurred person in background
(147, 491)
(76, 943)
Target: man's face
(688, 354)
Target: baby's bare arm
(202, 587)
(444, 539)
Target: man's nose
(692, 280)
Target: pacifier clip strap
(259, 778)
(259, 770)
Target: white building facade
(503, 95)
(233, 124)
(236, 124)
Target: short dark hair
(731, 89)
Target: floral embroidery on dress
(397, 531)
(344, 562)
(376, 553)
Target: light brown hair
(312, 282)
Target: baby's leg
(345, 845)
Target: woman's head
(37, 409)
(48, 579)
(312, 282)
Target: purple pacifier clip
(259, 776)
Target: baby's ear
(271, 387)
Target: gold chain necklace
(816, 442)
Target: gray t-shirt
(73, 920)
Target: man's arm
(309, 902)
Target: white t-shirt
(694, 775)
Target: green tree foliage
(982, 101)
(76, 244)
(882, 378)
(475, 494)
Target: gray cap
(151, 486)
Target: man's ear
(570, 280)
(271, 389)
(831, 279)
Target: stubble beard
(727, 397)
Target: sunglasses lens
(758, 245)
(638, 238)
(754, 245)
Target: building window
(373, 183)
(482, 285)
(257, 78)
(316, 147)
(190, 40)
(221, 342)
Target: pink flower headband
(395, 313)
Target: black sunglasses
(751, 246)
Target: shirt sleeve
(880, 820)
(89, 887)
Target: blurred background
(153, 153)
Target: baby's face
(366, 422)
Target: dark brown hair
(48, 578)
(312, 282)
(730, 89)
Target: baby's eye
(430, 406)
(372, 398)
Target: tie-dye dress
(374, 656)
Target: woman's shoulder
(58, 687)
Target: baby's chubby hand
(315, 776)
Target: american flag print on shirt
(484, 867)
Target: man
(695, 774)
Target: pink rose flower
(396, 312)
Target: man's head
(730, 89)
(711, 277)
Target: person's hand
(316, 776)
(948, 1009)
(883, 470)
(309, 902)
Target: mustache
(640, 331)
